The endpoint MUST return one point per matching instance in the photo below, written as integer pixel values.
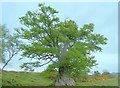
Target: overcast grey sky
(104, 15)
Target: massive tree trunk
(63, 78)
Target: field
(36, 79)
(24, 79)
(109, 82)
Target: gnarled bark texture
(63, 78)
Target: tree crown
(60, 42)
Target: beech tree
(60, 43)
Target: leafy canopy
(60, 43)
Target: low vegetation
(45, 79)
(24, 79)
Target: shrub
(105, 72)
(53, 75)
(97, 73)
(49, 74)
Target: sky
(104, 15)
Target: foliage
(105, 72)
(3, 32)
(61, 43)
(50, 72)
(8, 47)
(109, 82)
(92, 78)
(51, 75)
(97, 73)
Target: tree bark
(8, 60)
(6, 64)
(63, 78)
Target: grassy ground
(35, 79)
(109, 82)
(24, 79)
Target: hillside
(24, 79)
(36, 79)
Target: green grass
(24, 79)
(109, 82)
(36, 79)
